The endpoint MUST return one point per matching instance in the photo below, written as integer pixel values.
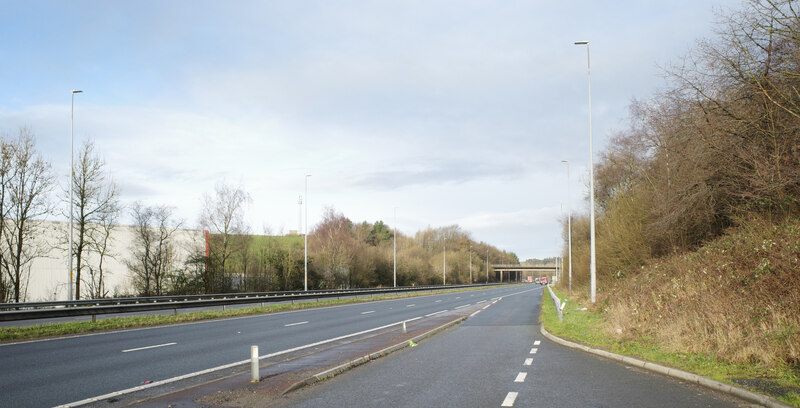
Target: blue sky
(452, 111)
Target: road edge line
(742, 393)
(332, 372)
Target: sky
(443, 112)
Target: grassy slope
(729, 311)
(588, 327)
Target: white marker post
(255, 376)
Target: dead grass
(737, 298)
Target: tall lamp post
(470, 264)
(71, 175)
(592, 263)
(305, 243)
(394, 249)
(569, 225)
(487, 265)
(444, 264)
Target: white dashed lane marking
(371, 311)
(520, 377)
(537, 342)
(510, 398)
(411, 305)
(149, 347)
(534, 350)
(459, 307)
(294, 324)
(528, 361)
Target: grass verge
(119, 323)
(588, 327)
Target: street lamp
(71, 175)
(592, 263)
(305, 244)
(487, 265)
(569, 225)
(444, 264)
(394, 249)
(470, 264)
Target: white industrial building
(49, 275)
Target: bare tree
(95, 202)
(6, 172)
(152, 249)
(29, 182)
(101, 245)
(223, 216)
(333, 246)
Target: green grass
(119, 323)
(587, 327)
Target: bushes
(698, 215)
(737, 297)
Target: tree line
(341, 253)
(717, 146)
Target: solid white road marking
(510, 398)
(484, 308)
(537, 342)
(294, 324)
(534, 350)
(435, 313)
(528, 361)
(410, 305)
(371, 311)
(474, 313)
(459, 307)
(520, 377)
(438, 301)
(149, 347)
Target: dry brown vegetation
(699, 199)
(736, 298)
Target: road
(66, 370)
(498, 358)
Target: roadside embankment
(601, 327)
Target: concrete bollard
(255, 376)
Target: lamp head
(76, 91)
(581, 42)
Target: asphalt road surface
(498, 358)
(67, 370)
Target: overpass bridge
(518, 273)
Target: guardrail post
(254, 374)
(94, 318)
